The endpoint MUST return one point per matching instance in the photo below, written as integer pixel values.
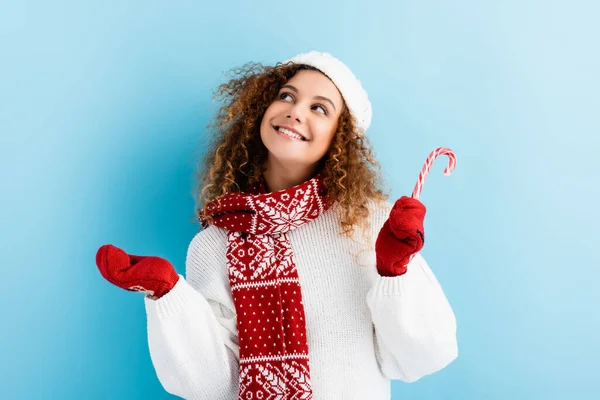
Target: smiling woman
(304, 101)
(297, 131)
(275, 303)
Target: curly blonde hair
(236, 155)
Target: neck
(279, 176)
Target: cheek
(325, 135)
(266, 116)
(326, 130)
(266, 119)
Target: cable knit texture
(363, 329)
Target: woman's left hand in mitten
(401, 237)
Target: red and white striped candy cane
(427, 166)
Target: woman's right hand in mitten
(154, 276)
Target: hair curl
(236, 155)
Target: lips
(294, 133)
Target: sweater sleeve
(415, 327)
(192, 337)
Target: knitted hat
(354, 95)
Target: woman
(283, 298)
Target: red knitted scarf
(263, 278)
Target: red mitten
(154, 276)
(401, 237)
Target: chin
(279, 150)
(285, 152)
(283, 157)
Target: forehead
(315, 83)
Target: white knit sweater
(362, 329)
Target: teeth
(290, 133)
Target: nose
(295, 113)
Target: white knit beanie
(354, 95)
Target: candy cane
(427, 166)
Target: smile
(289, 133)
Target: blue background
(102, 113)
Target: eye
(283, 95)
(322, 108)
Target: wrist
(392, 272)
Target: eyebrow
(316, 97)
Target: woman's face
(298, 127)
